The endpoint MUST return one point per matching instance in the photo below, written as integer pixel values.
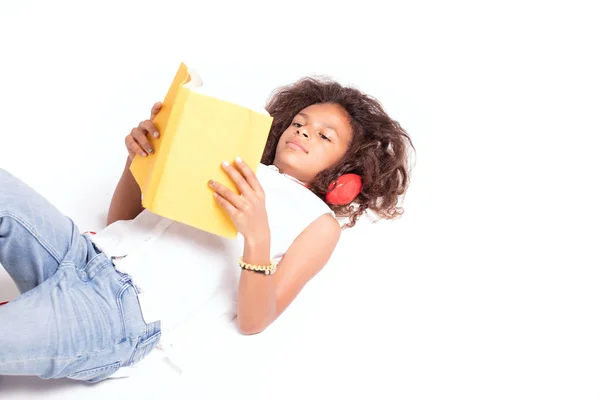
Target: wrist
(259, 238)
(257, 249)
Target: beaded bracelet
(265, 269)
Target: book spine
(170, 132)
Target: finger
(133, 147)
(150, 128)
(155, 109)
(249, 175)
(234, 199)
(139, 134)
(238, 178)
(227, 206)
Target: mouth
(296, 146)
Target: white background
(487, 288)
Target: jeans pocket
(97, 374)
(144, 347)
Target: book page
(196, 84)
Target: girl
(93, 304)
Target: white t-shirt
(181, 271)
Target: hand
(137, 142)
(247, 210)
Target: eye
(296, 124)
(324, 137)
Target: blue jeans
(77, 317)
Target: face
(316, 139)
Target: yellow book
(197, 133)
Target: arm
(126, 201)
(262, 298)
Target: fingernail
(155, 134)
(150, 150)
(238, 160)
(225, 164)
(211, 182)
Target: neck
(289, 176)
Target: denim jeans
(77, 316)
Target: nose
(302, 132)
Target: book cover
(197, 133)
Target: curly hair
(378, 150)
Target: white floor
(487, 288)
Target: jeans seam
(142, 345)
(33, 233)
(97, 369)
(80, 273)
(43, 359)
(121, 311)
(97, 270)
(145, 324)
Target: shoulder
(328, 223)
(312, 249)
(325, 230)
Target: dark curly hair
(378, 150)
